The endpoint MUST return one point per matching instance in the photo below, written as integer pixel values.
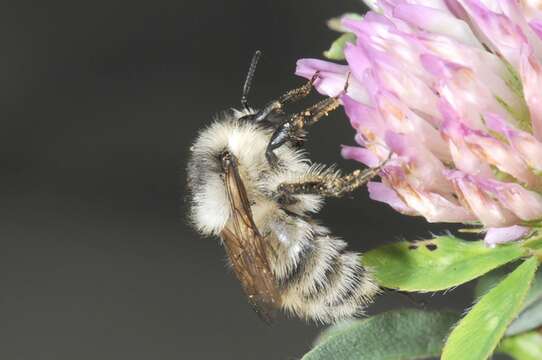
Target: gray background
(99, 103)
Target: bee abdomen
(327, 284)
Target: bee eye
(226, 158)
(223, 155)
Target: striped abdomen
(318, 279)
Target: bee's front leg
(290, 97)
(293, 129)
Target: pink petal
(372, 23)
(536, 25)
(489, 69)
(457, 9)
(463, 90)
(332, 78)
(434, 207)
(525, 204)
(489, 150)
(440, 209)
(531, 9)
(500, 32)
(524, 143)
(399, 78)
(361, 155)
(380, 34)
(436, 21)
(464, 159)
(490, 212)
(364, 118)
(373, 17)
(394, 59)
(495, 236)
(438, 66)
(401, 119)
(383, 193)
(383, 16)
(425, 171)
(496, 153)
(357, 60)
(370, 127)
(530, 71)
(511, 9)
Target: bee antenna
(249, 78)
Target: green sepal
(336, 51)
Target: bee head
(229, 141)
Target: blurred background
(100, 102)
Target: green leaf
(527, 346)
(529, 319)
(336, 51)
(436, 264)
(396, 335)
(531, 312)
(535, 292)
(335, 329)
(479, 332)
(492, 279)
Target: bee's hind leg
(329, 184)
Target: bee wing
(247, 249)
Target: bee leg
(294, 128)
(329, 185)
(317, 111)
(290, 97)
